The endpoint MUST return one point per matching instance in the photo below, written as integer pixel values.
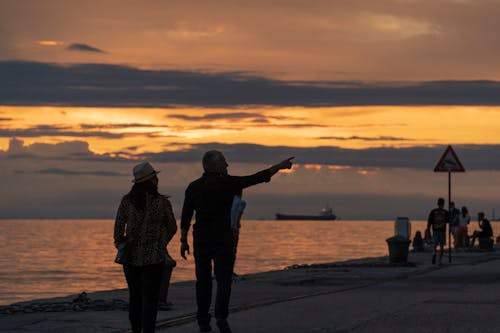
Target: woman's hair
(138, 193)
(465, 211)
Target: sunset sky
(365, 94)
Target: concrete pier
(367, 295)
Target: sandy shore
(365, 295)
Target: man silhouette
(211, 197)
(438, 217)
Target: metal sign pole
(449, 162)
(449, 215)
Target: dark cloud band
(84, 48)
(473, 157)
(31, 83)
(38, 131)
(364, 138)
(66, 172)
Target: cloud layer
(32, 83)
(473, 157)
(69, 180)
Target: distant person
(428, 242)
(462, 228)
(454, 213)
(145, 220)
(485, 226)
(211, 197)
(237, 209)
(418, 242)
(438, 218)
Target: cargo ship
(326, 214)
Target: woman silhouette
(144, 220)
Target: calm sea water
(48, 258)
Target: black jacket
(211, 196)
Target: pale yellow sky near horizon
(155, 130)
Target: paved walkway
(366, 295)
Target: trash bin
(402, 227)
(398, 248)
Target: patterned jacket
(148, 230)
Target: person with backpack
(438, 218)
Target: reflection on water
(47, 258)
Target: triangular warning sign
(449, 162)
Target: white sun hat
(143, 171)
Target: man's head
(441, 202)
(480, 215)
(214, 161)
(452, 204)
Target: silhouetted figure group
(458, 221)
(145, 221)
(145, 224)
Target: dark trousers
(223, 259)
(144, 289)
(479, 234)
(165, 283)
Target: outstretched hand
(285, 164)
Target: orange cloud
(50, 43)
(338, 167)
(313, 167)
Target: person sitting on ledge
(485, 226)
